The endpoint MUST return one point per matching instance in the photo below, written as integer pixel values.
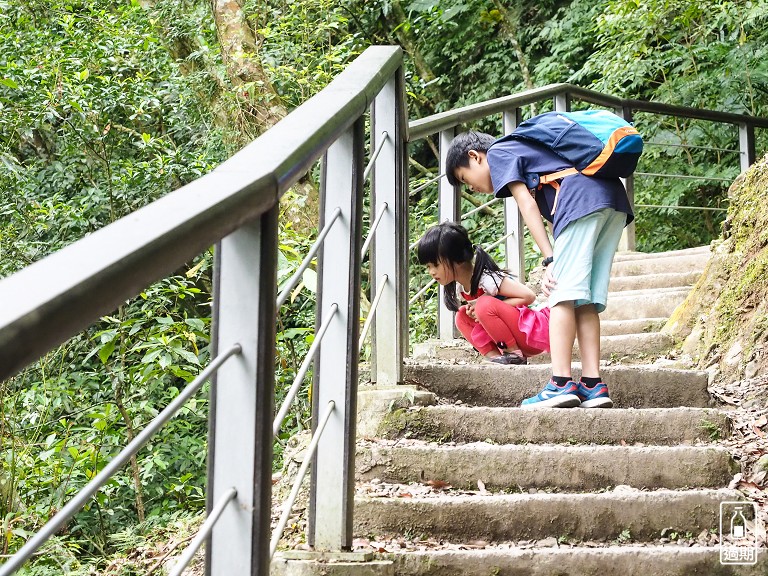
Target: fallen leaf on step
(405, 495)
(481, 487)
(762, 421)
(437, 484)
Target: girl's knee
(485, 305)
(462, 319)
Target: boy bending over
(587, 216)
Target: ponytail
(483, 264)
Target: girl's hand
(471, 310)
(548, 282)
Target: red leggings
(500, 321)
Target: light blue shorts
(583, 254)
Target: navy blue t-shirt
(511, 160)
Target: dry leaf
(437, 484)
(481, 487)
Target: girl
(496, 319)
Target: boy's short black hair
(458, 151)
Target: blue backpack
(594, 142)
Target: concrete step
(492, 385)
(653, 426)
(694, 262)
(634, 560)
(634, 326)
(622, 346)
(650, 281)
(634, 255)
(566, 468)
(603, 516)
(633, 304)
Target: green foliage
(708, 54)
(305, 44)
(95, 121)
(66, 417)
(106, 106)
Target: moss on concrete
(405, 423)
(727, 310)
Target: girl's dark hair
(449, 243)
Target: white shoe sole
(562, 401)
(597, 403)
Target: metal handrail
(692, 147)
(372, 311)
(81, 498)
(683, 176)
(373, 228)
(152, 242)
(421, 128)
(372, 162)
(421, 187)
(308, 456)
(283, 296)
(202, 534)
(682, 207)
(420, 292)
(475, 210)
(291, 395)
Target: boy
(587, 217)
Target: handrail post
(628, 239)
(448, 211)
(336, 366)
(562, 102)
(389, 261)
(513, 220)
(242, 398)
(746, 145)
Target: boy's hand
(548, 282)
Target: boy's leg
(562, 333)
(588, 334)
(574, 251)
(587, 318)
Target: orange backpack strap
(552, 180)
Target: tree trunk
(257, 107)
(239, 50)
(408, 41)
(510, 26)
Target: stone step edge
(567, 469)
(459, 423)
(623, 559)
(626, 560)
(636, 255)
(641, 515)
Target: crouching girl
(495, 316)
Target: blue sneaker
(554, 396)
(595, 397)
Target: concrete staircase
(469, 484)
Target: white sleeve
(490, 283)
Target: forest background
(106, 106)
